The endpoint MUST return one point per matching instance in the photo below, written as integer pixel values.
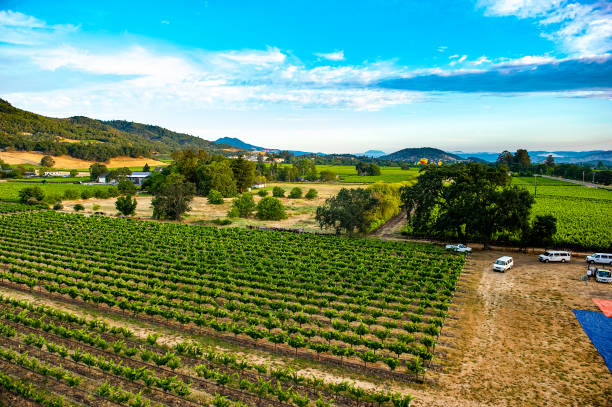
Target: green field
(9, 191)
(348, 173)
(583, 214)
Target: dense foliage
(469, 202)
(270, 208)
(349, 210)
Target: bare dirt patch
(65, 161)
(515, 340)
(301, 212)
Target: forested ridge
(89, 139)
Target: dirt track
(515, 340)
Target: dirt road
(514, 341)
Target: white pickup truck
(461, 248)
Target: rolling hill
(90, 139)
(415, 154)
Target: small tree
(97, 169)
(327, 176)
(278, 192)
(262, 193)
(78, 207)
(47, 161)
(146, 168)
(126, 187)
(311, 194)
(126, 205)
(31, 192)
(270, 208)
(295, 193)
(242, 206)
(58, 206)
(215, 197)
(348, 210)
(74, 173)
(173, 198)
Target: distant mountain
(415, 154)
(371, 153)
(234, 142)
(90, 139)
(538, 156)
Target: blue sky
(330, 76)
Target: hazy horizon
(476, 76)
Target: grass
(583, 213)
(9, 191)
(348, 173)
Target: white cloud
(21, 29)
(165, 22)
(453, 56)
(456, 61)
(482, 60)
(519, 8)
(442, 48)
(580, 29)
(331, 56)
(270, 56)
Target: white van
(555, 255)
(603, 276)
(601, 258)
(503, 263)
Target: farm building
(138, 176)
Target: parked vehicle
(555, 255)
(601, 258)
(503, 263)
(603, 276)
(461, 248)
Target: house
(138, 176)
(258, 185)
(56, 174)
(279, 160)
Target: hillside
(234, 142)
(415, 154)
(89, 139)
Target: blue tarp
(598, 327)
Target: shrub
(47, 161)
(262, 193)
(278, 192)
(96, 207)
(126, 187)
(101, 194)
(126, 205)
(242, 206)
(36, 193)
(327, 175)
(86, 194)
(113, 192)
(270, 208)
(215, 197)
(295, 193)
(311, 194)
(78, 207)
(71, 194)
(58, 206)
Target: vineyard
(583, 214)
(368, 306)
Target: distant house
(56, 174)
(279, 160)
(102, 178)
(138, 176)
(258, 185)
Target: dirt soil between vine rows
(511, 339)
